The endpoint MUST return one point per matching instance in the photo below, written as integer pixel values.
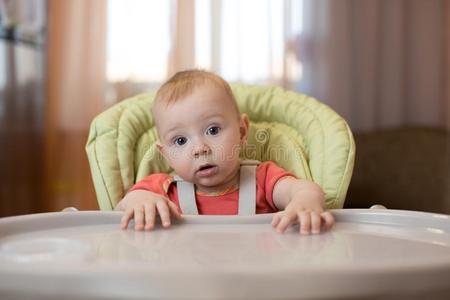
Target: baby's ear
(163, 152)
(160, 149)
(244, 127)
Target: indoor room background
(383, 65)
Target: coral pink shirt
(267, 175)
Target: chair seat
(297, 132)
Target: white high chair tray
(368, 253)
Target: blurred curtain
(75, 93)
(249, 41)
(246, 41)
(379, 63)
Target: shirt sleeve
(267, 175)
(158, 183)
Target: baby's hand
(310, 214)
(143, 206)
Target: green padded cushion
(298, 132)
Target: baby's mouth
(206, 170)
(205, 167)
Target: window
(139, 40)
(246, 41)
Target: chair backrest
(296, 131)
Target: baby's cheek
(178, 156)
(184, 171)
(179, 162)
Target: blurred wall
(50, 88)
(22, 109)
(22, 105)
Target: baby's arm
(303, 202)
(143, 206)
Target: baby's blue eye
(180, 141)
(214, 130)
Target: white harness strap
(247, 188)
(186, 196)
(247, 191)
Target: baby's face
(201, 135)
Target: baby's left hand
(309, 214)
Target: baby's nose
(201, 148)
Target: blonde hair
(185, 82)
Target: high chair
(53, 255)
(297, 132)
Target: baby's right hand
(143, 206)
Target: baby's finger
(305, 222)
(139, 218)
(163, 211)
(287, 219)
(150, 215)
(328, 220)
(174, 210)
(127, 216)
(315, 222)
(276, 219)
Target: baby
(201, 133)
